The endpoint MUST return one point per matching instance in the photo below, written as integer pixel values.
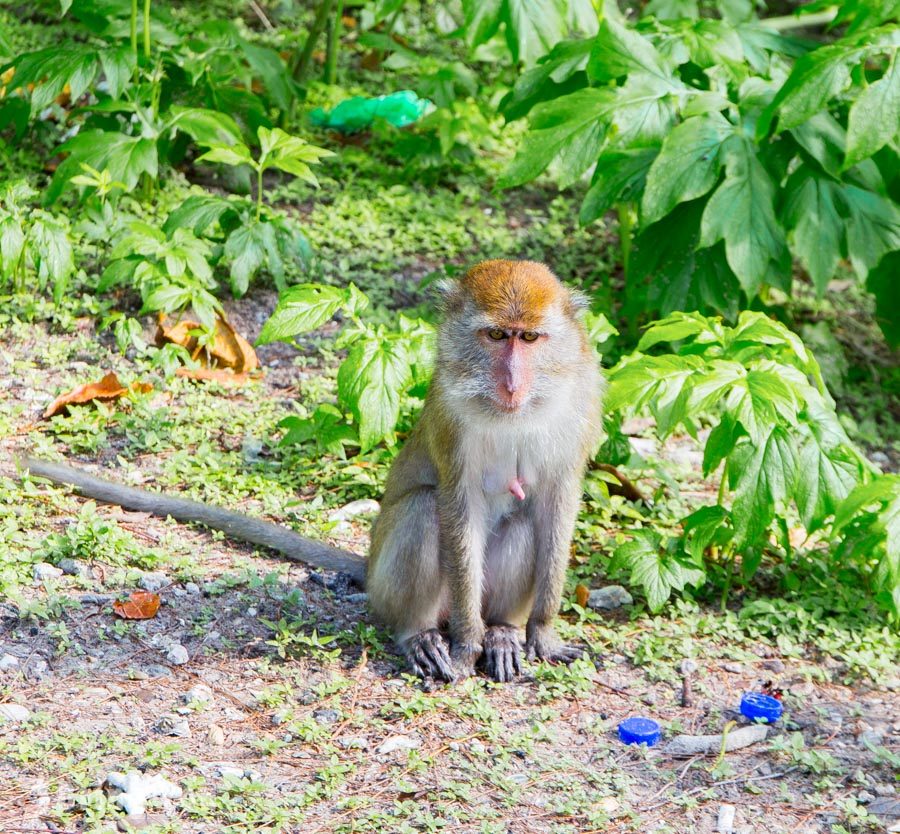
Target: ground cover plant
(718, 178)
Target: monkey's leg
(405, 585)
(554, 525)
(508, 595)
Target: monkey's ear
(578, 301)
(451, 295)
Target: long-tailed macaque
(479, 507)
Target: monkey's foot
(427, 654)
(465, 656)
(542, 643)
(502, 652)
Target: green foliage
(726, 144)
(35, 246)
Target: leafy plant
(381, 364)
(725, 149)
(254, 236)
(35, 246)
(773, 431)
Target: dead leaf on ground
(140, 605)
(581, 595)
(230, 349)
(221, 375)
(107, 389)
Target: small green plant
(291, 640)
(36, 250)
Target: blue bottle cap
(759, 707)
(639, 731)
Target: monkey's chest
(506, 483)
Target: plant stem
(626, 213)
(147, 29)
(792, 21)
(302, 59)
(259, 192)
(333, 42)
(134, 14)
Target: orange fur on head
(515, 294)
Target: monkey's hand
(502, 652)
(542, 643)
(464, 657)
(428, 657)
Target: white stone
(136, 788)
(153, 581)
(364, 506)
(8, 661)
(177, 654)
(43, 571)
(609, 598)
(14, 712)
(725, 822)
(394, 743)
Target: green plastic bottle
(354, 114)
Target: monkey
(479, 507)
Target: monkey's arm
(237, 525)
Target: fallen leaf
(230, 349)
(141, 387)
(223, 375)
(140, 605)
(109, 388)
(581, 595)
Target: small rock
(649, 698)
(135, 822)
(865, 797)
(14, 712)
(215, 735)
(609, 804)
(173, 725)
(885, 790)
(199, 694)
(177, 654)
(75, 567)
(355, 743)
(230, 770)
(775, 666)
(252, 449)
(8, 661)
(153, 581)
(477, 748)
(364, 506)
(96, 599)
(155, 670)
(326, 716)
(394, 743)
(734, 668)
(192, 588)
(43, 571)
(252, 611)
(609, 598)
(871, 738)
(357, 599)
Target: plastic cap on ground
(639, 731)
(759, 707)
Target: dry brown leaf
(223, 375)
(109, 388)
(230, 349)
(140, 605)
(581, 595)
(141, 387)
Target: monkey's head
(511, 338)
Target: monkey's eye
(529, 336)
(496, 334)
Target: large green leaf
(482, 20)
(657, 571)
(118, 64)
(875, 116)
(576, 120)
(370, 381)
(811, 213)
(883, 284)
(873, 227)
(762, 475)
(618, 177)
(741, 211)
(687, 166)
(12, 244)
(198, 212)
(619, 50)
(534, 27)
(301, 308)
(644, 110)
(126, 157)
(208, 127)
(246, 249)
(50, 70)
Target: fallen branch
(685, 746)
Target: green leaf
(762, 475)
(874, 116)
(301, 308)
(118, 64)
(873, 227)
(246, 249)
(482, 20)
(817, 229)
(12, 243)
(574, 121)
(740, 211)
(199, 212)
(705, 528)
(370, 381)
(620, 51)
(655, 570)
(618, 178)
(534, 27)
(208, 127)
(50, 70)
(671, 9)
(267, 64)
(238, 154)
(883, 284)
(644, 109)
(126, 157)
(674, 328)
(687, 166)
(289, 153)
(51, 251)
